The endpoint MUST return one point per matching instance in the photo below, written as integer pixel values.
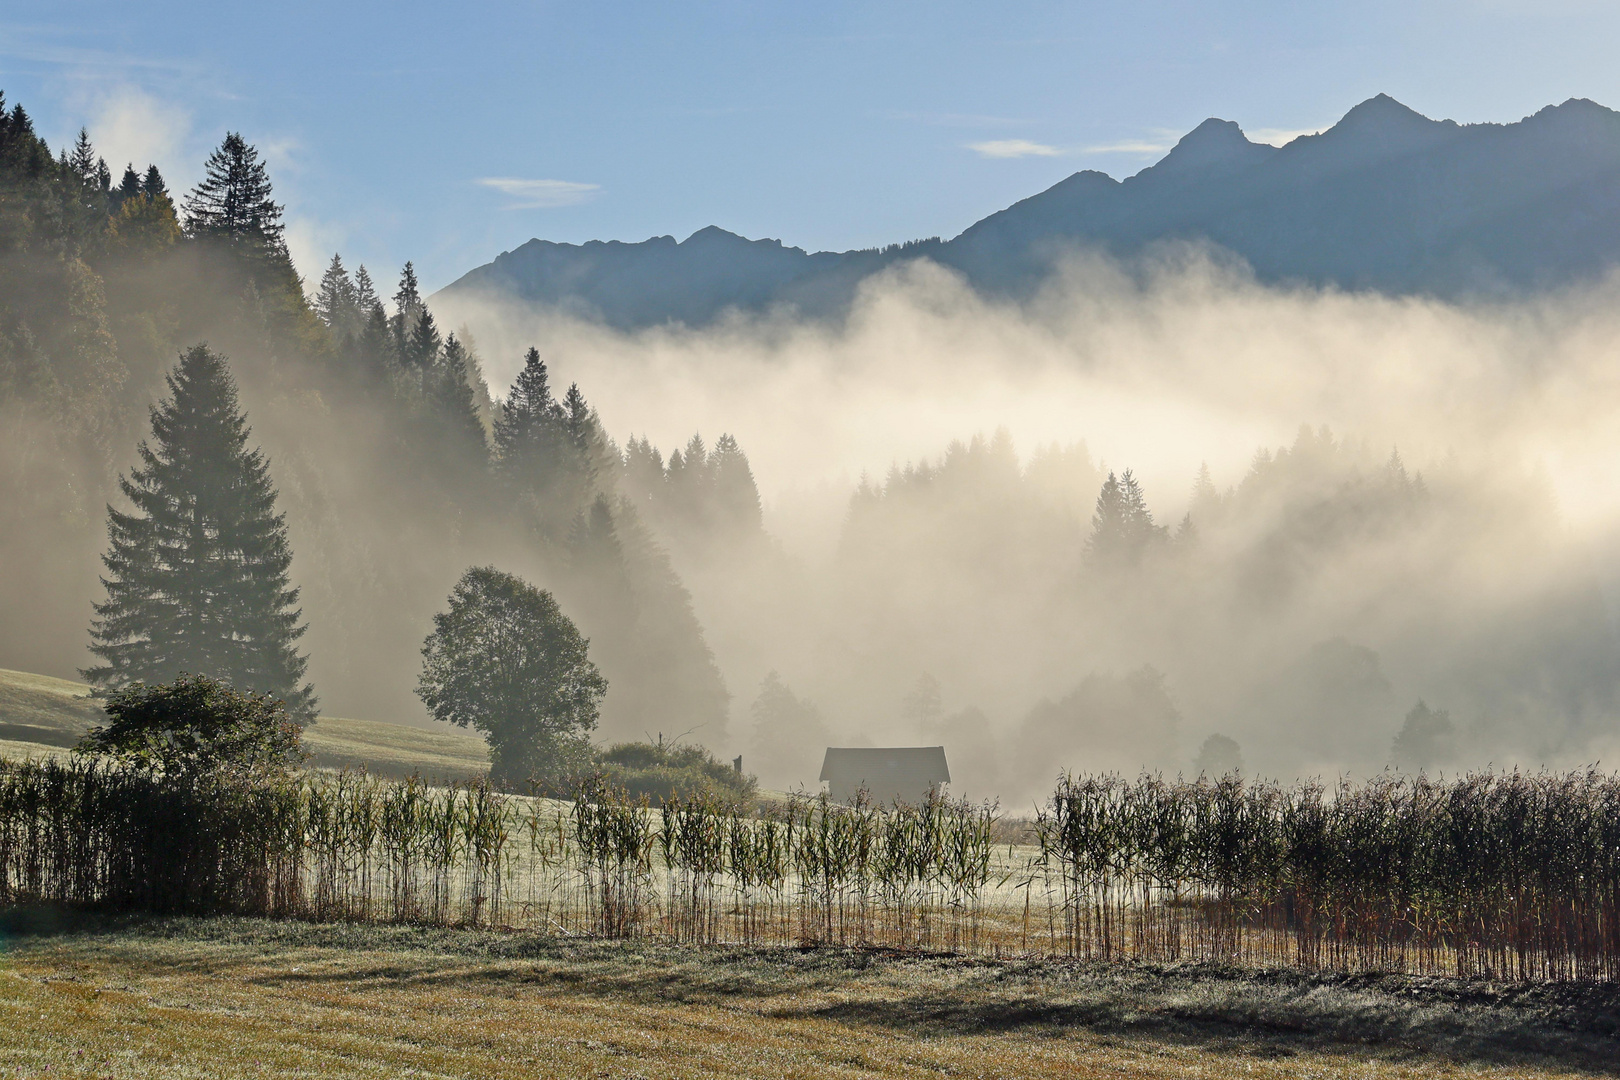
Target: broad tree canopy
(505, 660)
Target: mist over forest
(1155, 503)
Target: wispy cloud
(539, 194)
(131, 126)
(1013, 148)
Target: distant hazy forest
(1334, 609)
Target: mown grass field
(87, 996)
(44, 717)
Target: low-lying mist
(1405, 500)
(1339, 507)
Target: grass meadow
(43, 717)
(137, 997)
(691, 942)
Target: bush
(661, 772)
(196, 724)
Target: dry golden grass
(41, 717)
(444, 754)
(215, 998)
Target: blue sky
(446, 133)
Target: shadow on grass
(1574, 1026)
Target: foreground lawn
(144, 998)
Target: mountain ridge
(1386, 199)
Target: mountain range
(1386, 200)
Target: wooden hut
(888, 773)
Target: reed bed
(1508, 875)
(1511, 875)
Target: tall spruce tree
(232, 202)
(736, 495)
(452, 395)
(529, 427)
(422, 345)
(197, 574)
(365, 292)
(1122, 527)
(152, 184)
(407, 311)
(336, 302)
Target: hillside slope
(1386, 199)
(44, 717)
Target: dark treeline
(394, 467)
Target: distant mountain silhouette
(1386, 199)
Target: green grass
(138, 997)
(43, 717)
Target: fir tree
(336, 302)
(527, 428)
(197, 573)
(423, 344)
(643, 471)
(736, 496)
(365, 292)
(1206, 501)
(129, 186)
(407, 312)
(82, 161)
(232, 202)
(152, 184)
(455, 404)
(1122, 526)
(596, 564)
(376, 344)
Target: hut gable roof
(886, 764)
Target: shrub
(663, 772)
(196, 724)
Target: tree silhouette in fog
(197, 574)
(1122, 525)
(505, 660)
(233, 200)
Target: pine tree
(129, 186)
(197, 574)
(1122, 526)
(545, 449)
(233, 202)
(365, 292)
(1206, 501)
(336, 302)
(152, 184)
(86, 194)
(643, 472)
(601, 580)
(529, 420)
(736, 496)
(455, 404)
(579, 427)
(82, 161)
(376, 343)
(423, 344)
(407, 312)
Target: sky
(448, 133)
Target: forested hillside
(394, 468)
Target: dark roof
(886, 763)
